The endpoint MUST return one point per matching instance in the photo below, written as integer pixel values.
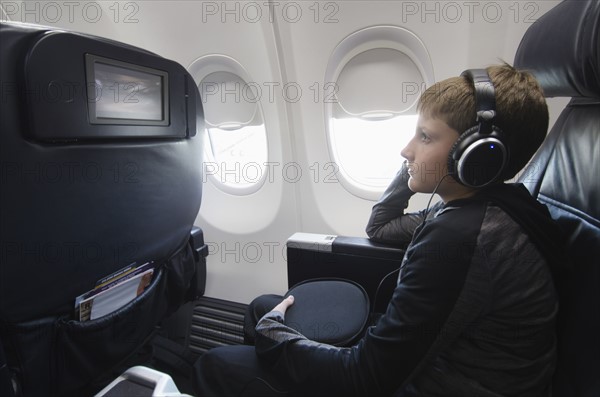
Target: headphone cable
(381, 284)
(400, 268)
(431, 197)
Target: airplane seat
(562, 49)
(100, 179)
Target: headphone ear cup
(458, 149)
(476, 159)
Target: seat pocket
(86, 350)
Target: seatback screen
(123, 93)
(85, 88)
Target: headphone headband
(485, 98)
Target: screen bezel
(56, 98)
(90, 67)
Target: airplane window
(368, 151)
(373, 117)
(235, 138)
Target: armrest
(359, 259)
(367, 248)
(142, 381)
(200, 252)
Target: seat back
(100, 169)
(562, 49)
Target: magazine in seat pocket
(84, 350)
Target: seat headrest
(562, 49)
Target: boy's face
(427, 155)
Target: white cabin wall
(246, 234)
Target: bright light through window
(368, 151)
(237, 157)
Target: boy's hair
(521, 110)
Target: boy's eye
(424, 137)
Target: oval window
(235, 144)
(379, 78)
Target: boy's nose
(407, 153)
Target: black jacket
(473, 312)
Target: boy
(474, 309)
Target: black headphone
(479, 156)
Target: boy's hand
(283, 306)
(403, 172)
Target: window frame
(200, 69)
(374, 37)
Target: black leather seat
(88, 187)
(562, 49)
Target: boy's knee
(260, 306)
(209, 361)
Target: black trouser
(235, 371)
